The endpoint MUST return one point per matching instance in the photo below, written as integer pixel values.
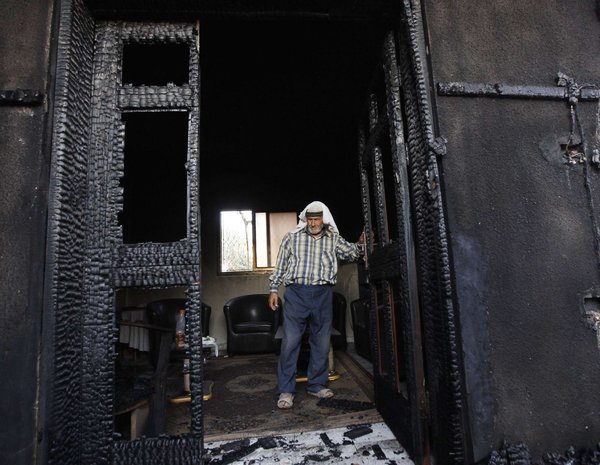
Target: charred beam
(373, 140)
(468, 89)
(361, 10)
(383, 262)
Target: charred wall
(521, 219)
(24, 166)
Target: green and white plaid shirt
(304, 260)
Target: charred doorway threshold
(370, 443)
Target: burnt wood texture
(441, 337)
(66, 434)
(89, 259)
(418, 377)
(415, 327)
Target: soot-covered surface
(378, 446)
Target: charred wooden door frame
(145, 265)
(87, 260)
(391, 265)
(415, 258)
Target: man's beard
(316, 229)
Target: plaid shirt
(304, 260)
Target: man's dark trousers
(304, 305)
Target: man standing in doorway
(307, 266)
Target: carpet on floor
(244, 401)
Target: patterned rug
(244, 400)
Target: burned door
(142, 222)
(395, 320)
(415, 340)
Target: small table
(210, 342)
(207, 342)
(138, 414)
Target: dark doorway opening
(279, 103)
(317, 132)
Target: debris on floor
(357, 444)
(358, 432)
(343, 404)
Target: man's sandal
(322, 394)
(286, 400)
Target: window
(250, 240)
(155, 176)
(156, 64)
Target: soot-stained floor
(359, 444)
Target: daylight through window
(250, 240)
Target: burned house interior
(273, 122)
(154, 154)
(279, 109)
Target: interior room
(279, 107)
(280, 102)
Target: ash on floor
(357, 444)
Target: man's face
(315, 224)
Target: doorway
(247, 156)
(321, 79)
(279, 108)
(280, 102)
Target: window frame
(255, 269)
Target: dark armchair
(251, 324)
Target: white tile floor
(377, 447)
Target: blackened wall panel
(519, 217)
(23, 197)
